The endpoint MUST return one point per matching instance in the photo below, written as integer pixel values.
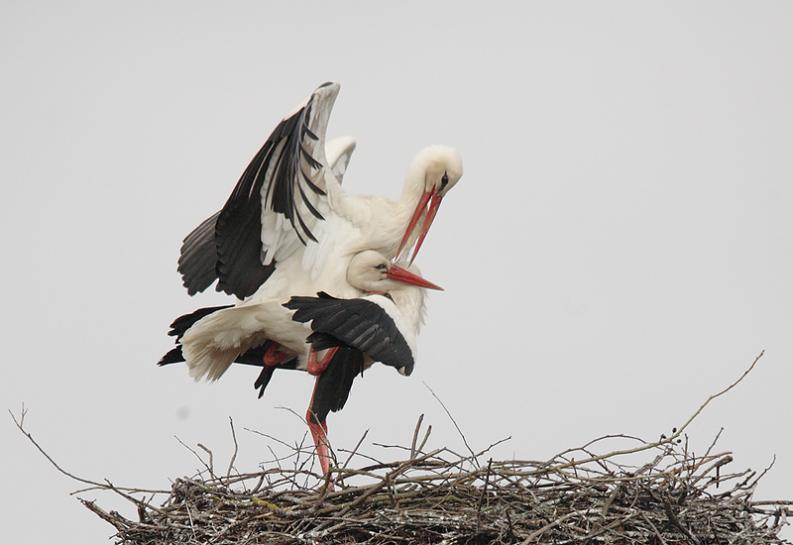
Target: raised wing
(358, 323)
(198, 257)
(270, 212)
(276, 206)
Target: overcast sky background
(620, 246)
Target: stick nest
(443, 497)
(658, 493)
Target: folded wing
(357, 323)
(333, 386)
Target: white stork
(340, 336)
(288, 228)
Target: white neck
(410, 302)
(413, 188)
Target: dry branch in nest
(438, 496)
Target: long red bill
(395, 272)
(425, 227)
(420, 207)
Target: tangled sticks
(439, 496)
(433, 498)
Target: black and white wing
(198, 257)
(198, 254)
(359, 323)
(275, 208)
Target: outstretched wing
(270, 212)
(358, 323)
(198, 255)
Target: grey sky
(621, 244)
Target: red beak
(395, 272)
(420, 207)
(435, 203)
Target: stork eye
(381, 267)
(444, 180)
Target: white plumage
(309, 228)
(216, 340)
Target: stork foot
(275, 355)
(316, 366)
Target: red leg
(275, 355)
(319, 433)
(320, 436)
(315, 367)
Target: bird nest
(442, 497)
(649, 492)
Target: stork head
(442, 167)
(372, 272)
(439, 168)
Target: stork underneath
(288, 228)
(381, 326)
(339, 337)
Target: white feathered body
(212, 343)
(349, 224)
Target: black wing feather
(198, 256)
(238, 228)
(263, 380)
(358, 323)
(253, 356)
(227, 246)
(178, 328)
(174, 355)
(308, 204)
(334, 384)
(184, 322)
(314, 187)
(310, 133)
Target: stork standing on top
(288, 228)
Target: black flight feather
(238, 228)
(184, 322)
(198, 256)
(308, 132)
(253, 356)
(228, 245)
(333, 386)
(308, 204)
(263, 380)
(358, 323)
(174, 355)
(316, 189)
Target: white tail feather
(214, 341)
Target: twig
(671, 439)
(484, 493)
(442, 496)
(456, 426)
(416, 436)
(355, 450)
(236, 448)
(211, 466)
(19, 425)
